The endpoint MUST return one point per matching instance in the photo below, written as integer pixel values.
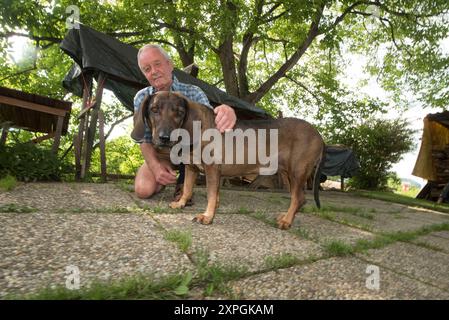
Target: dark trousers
(182, 169)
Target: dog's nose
(164, 138)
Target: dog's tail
(317, 177)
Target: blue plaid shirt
(190, 91)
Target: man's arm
(164, 175)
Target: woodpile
(440, 159)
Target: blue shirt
(190, 91)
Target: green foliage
(378, 144)
(122, 154)
(30, 162)
(8, 183)
(402, 40)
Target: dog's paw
(176, 205)
(203, 219)
(283, 224)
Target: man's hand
(163, 173)
(225, 118)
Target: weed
(8, 183)
(183, 239)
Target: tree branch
(300, 84)
(111, 128)
(269, 83)
(347, 11)
(19, 73)
(30, 36)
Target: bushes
(378, 144)
(29, 162)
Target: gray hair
(152, 46)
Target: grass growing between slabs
(401, 199)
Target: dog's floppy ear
(139, 119)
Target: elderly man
(157, 67)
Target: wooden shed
(432, 163)
(34, 113)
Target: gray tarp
(94, 51)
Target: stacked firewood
(441, 162)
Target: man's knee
(145, 184)
(144, 191)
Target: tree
(378, 144)
(257, 48)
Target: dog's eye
(154, 110)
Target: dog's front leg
(187, 191)
(213, 185)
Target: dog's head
(163, 112)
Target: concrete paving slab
(325, 231)
(231, 201)
(322, 230)
(335, 278)
(62, 197)
(420, 263)
(441, 234)
(36, 248)
(240, 240)
(391, 222)
(434, 241)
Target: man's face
(157, 69)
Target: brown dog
(300, 148)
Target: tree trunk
(226, 55)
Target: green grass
(14, 208)
(338, 248)
(215, 276)
(183, 239)
(408, 236)
(135, 287)
(282, 261)
(331, 209)
(125, 185)
(243, 210)
(99, 210)
(264, 218)
(397, 198)
(364, 215)
(8, 183)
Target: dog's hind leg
(187, 191)
(297, 200)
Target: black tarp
(94, 51)
(340, 161)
